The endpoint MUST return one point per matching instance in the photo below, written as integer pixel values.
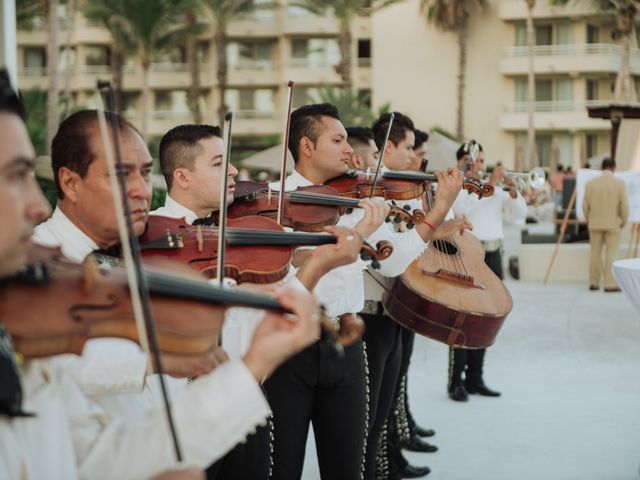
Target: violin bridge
(269, 196)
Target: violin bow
(384, 148)
(138, 285)
(285, 147)
(222, 219)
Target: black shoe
(459, 394)
(482, 389)
(423, 432)
(594, 287)
(414, 472)
(614, 289)
(416, 444)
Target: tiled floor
(568, 364)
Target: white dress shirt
(74, 437)
(487, 213)
(212, 415)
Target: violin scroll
(481, 190)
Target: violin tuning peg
(387, 219)
(410, 225)
(397, 219)
(407, 207)
(375, 264)
(393, 202)
(365, 256)
(348, 211)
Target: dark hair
(421, 138)
(559, 168)
(608, 163)
(306, 121)
(401, 124)
(359, 136)
(71, 147)
(9, 101)
(179, 147)
(465, 148)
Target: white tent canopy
(441, 152)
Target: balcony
(553, 115)
(568, 58)
(254, 72)
(517, 10)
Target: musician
(419, 151)
(365, 150)
(88, 439)
(191, 159)
(313, 386)
(402, 431)
(487, 214)
(383, 336)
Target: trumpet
(534, 178)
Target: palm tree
(453, 15)
(354, 109)
(148, 27)
(26, 12)
(224, 12)
(623, 13)
(344, 11)
(531, 158)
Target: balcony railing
(253, 65)
(169, 67)
(309, 63)
(364, 62)
(570, 49)
(34, 71)
(170, 114)
(559, 106)
(254, 114)
(96, 69)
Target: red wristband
(429, 225)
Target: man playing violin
(383, 336)
(365, 150)
(315, 386)
(75, 434)
(191, 159)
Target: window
(559, 145)
(35, 58)
(250, 55)
(171, 101)
(557, 92)
(97, 55)
(364, 48)
(251, 103)
(174, 55)
(592, 89)
(129, 102)
(544, 90)
(315, 52)
(305, 96)
(544, 35)
(591, 145)
(593, 34)
(521, 35)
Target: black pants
(400, 422)
(383, 338)
(249, 460)
(471, 362)
(318, 386)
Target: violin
(258, 249)
(77, 302)
(307, 209)
(395, 184)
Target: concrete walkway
(568, 364)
